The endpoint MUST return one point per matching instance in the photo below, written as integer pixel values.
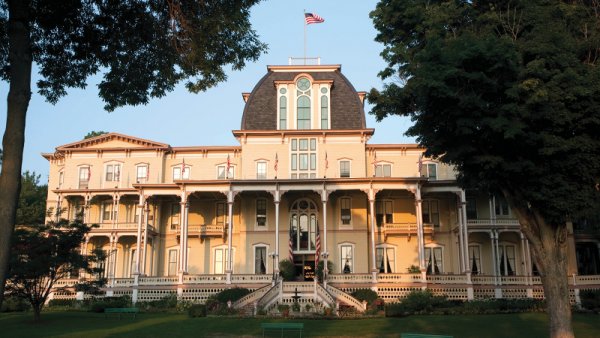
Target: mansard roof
(260, 112)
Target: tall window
(221, 213)
(471, 208)
(78, 210)
(175, 215)
(132, 212)
(304, 157)
(431, 212)
(344, 168)
(282, 109)
(221, 174)
(61, 178)
(261, 170)
(384, 212)
(132, 262)
(345, 211)
(113, 173)
(177, 175)
(172, 264)
(346, 259)
(506, 260)
(108, 212)
(260, 260)
(501, 206)
(303, 225)
(84, 177)
(221, 256)
(324, 109)
(434, 260)
(429, 170)
(142, 173)
(475, 259)
(261, 212)
(383, 170)
(303, 103)
(385, 258)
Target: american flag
(317, 247)
(374, 162)
(228, 166)
(291, 246)
(311, 18)
(182, 167)
(89, 173)
(276, 164)
(326, 161)
(148, 172)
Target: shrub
(413, 269)
(14, 304)
(287, 270)
(168, 302)
(197, 310)
(590, 299)
(99, 304)
(232, 294)
(296, 307)
(365, 294)
(62, 303)
(308, 307)
(320, 266)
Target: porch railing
(203, 230)
(346, 298)
(406, 229)
(504, 223)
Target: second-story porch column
(86, 208)
(230, 199)
(183, 236)
(140, 207)
(145, 237)
(465, 233)
(324, 198)
(420, 236)
(372, 193)
(276, 199)
(115, 210)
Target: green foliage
(14, 304)
(296, 307)
(43, 254)
(232, 294)
(507, 92)
(197, 310)
(287, 270)
(590, 299)
(94, 133)
(99, 304)
(32, 200)
(365, 294)
(413, 269)
(167, 303)
(282, 308)
(320, 266)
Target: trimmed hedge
(197, 310)
(99, 304)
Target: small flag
(147, 172)
(374, 162)
(117, 173)
(317, 247)
(311, 18)
(326, 161)
(228, 167)
(89, 173)
(276, 164)
(182, 167)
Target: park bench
(282, 327)
(422, 335)
(121, 310)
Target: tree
(43, 254)
(143, 48)
(32, 200)
(508, 93)
(94, 133)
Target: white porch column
(86, 209)
(372, 209)
(115, 215)
(140, 207)
(324, 197)
(145, 237)
(183, 236)
(276, 198)
(461, 242)
(230, 198)
(57, 212)
(529, 269)
(420, 237)
(463, 203)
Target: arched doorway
(303, 228)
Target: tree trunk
(549, 250)
(37, 312)
(19, 94)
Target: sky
(182, 118)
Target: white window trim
(267, 257)
(340, 258)
(231, 170)
(328, 94)
(61, 178)
(167, 262)
(425, 172)
(382, 203)
(118, 182)
(432, 246)
(342, 225)
(344, 159)
(382, 163)
(266, 226)
(266, 162)
(293, 102)
(147, 178)
(429, 200)
(516, 267)
(481, 263)
(79, 180)
(287, 97)
(111, 212)
(385, 246)
(187, 168)
(297, 152)
(214, 257)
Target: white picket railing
(252, 297)
(325, 296)
(270, 297)
(249, 278)
(350, 278)
(346, 298)
(447, 279)
(158, 280)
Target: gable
(112, 141)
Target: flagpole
(304, 18)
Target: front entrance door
(305, 267)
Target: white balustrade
(350, 278)
(123, 282)
(158, 281)
(240, 279)
(346, 298)
(251, 297)
(588, 280)
(447, 279)
(399, 278)
(204, 279)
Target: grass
(92, 325)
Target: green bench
(422, 335)
(121, 310)
(282, 327)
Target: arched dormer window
(324, 109)
(303, 103)
(282, 109)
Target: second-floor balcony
(124, 226)
(488, 224)
(202, 230)
(405, 229)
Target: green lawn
(90, 325)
